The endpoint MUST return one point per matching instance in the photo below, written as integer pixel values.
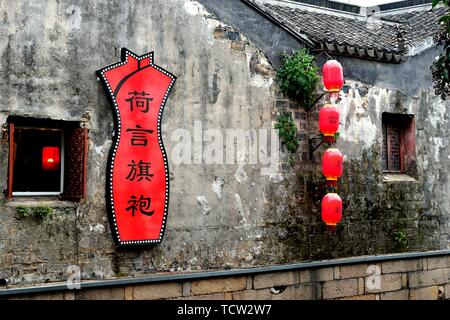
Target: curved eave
(299, 37)
(349, 50)
(362, 52)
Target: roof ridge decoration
(356, 9)
(392, 37)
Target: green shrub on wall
(299, 77)
(40, 213)
(400, 240)
(441, 66)
(287, 131)
(23, 212)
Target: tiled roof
(393, 38)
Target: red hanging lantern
(332, 165)
(50, 158)
(331, 209)
(333, 76)
(329, 122)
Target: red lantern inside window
(329, 122)
(331, 209)
(332, 165)
(50, 158)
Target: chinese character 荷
(139, 100)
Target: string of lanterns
(332, 160)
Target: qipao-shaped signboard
(137, 182)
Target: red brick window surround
(399, 142)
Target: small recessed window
(399, 143)
(38, 167)
(46, 158)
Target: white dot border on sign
(117, 141)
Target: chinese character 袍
(142, 204)
(140, 170)
(138, 100)
(139, 137)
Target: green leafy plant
(299, 76)
(400, 239)
(445, 2)
(291, 161)
(337, 135)
(40, 213)
(121, 274)
(23, 212)
(287, 131)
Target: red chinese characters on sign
(138, 178)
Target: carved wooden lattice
(75, 163)
(394, 143)
(384, 150)
(394, 127)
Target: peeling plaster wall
(220, 216)
(50, 51)
(382, 213)
(361, 115)
(376, 210)
(379, 208)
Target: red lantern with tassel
(331, 209)
(333, 78)
(329, 122)
(50, 158)
(332, 165)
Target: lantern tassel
(329, 139)
(334, 96)
(332, 183)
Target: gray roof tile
(391, 38)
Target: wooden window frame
(81, 171)
(389, 127)
(10, 161)
(407, 141)
(42, 193)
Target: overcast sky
(366, 3)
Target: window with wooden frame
(46, 158)
(399, 142)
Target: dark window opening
(34, 170)
(399, 143)
(46, 157)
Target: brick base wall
(415, 279)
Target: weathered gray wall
(267, 36)
(408, 77)
(375, 209)
(50, 51)
(378, 208)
